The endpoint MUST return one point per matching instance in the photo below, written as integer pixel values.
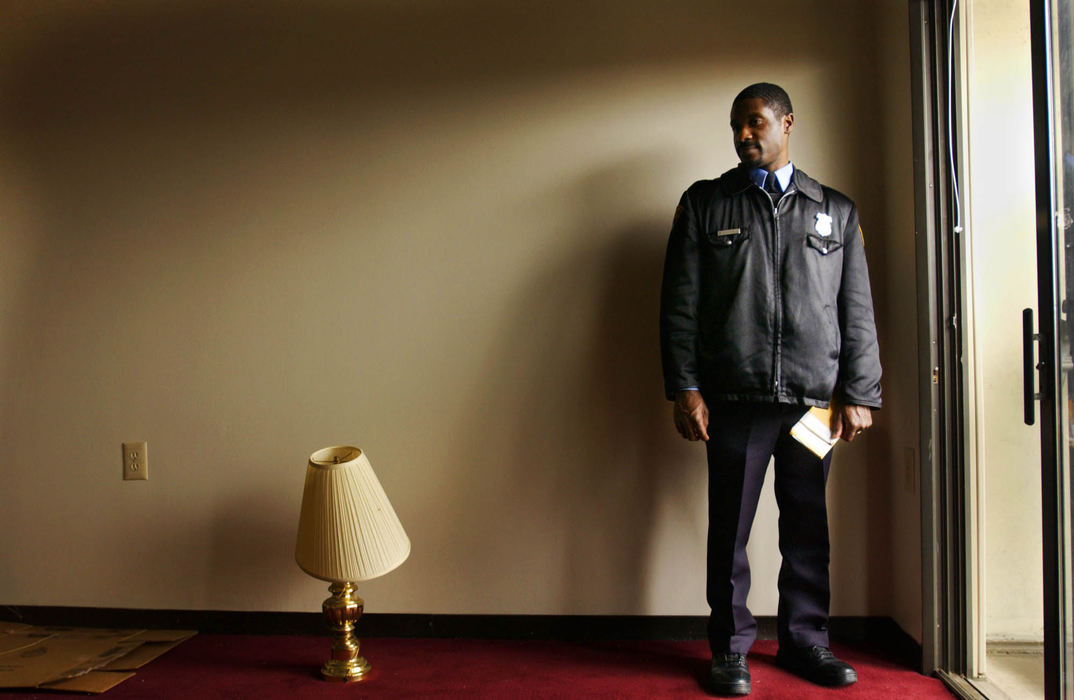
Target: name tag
(729, 232)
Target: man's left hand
(850, 420)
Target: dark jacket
(768, 303)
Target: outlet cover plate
(135, 461)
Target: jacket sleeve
(679, 294)
(859, 359)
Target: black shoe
(729, 675)
(817, 664)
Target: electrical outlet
(135, 461)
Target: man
(766, 311)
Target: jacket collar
(737, 180)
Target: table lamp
(347, 532)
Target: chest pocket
(823, 245)
(728, 237)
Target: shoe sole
(736, 688)
(849, 679)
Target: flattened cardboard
(78, 659)
(56, 657)
(154, 643)
(92, 682)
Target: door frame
(1048, 350)
(940, 385)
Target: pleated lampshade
(347, 530)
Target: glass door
(961, 594)
(1053, 98)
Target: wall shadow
(251, 544)
(199, 62)
(579, 435)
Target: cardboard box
(78, 659)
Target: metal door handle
(1028, 395)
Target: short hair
(774, 97)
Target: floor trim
(881, 632)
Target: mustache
(746, 144)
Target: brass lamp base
(342, 611)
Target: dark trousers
(742, 440)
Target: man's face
(760, 136)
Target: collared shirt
(758, 176)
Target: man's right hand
(691, 415)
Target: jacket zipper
(777, 351)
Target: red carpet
(231, 666)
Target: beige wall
(436, 235)
(893, 266)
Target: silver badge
(823, 225)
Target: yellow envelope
(815, 432)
